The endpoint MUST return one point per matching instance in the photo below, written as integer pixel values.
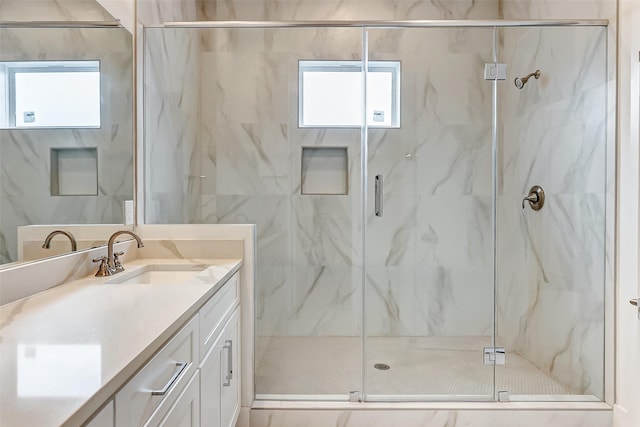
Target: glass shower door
(429, 285)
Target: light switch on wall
(128, 212)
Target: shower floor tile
(418, 366)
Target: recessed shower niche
(74, 171)
(324, 170)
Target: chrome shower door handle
(378, 191)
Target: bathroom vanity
(158, 344)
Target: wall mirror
(66, 135)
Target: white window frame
(394, 67)
(11, 68)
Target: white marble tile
(250, 87)
(326, 301)
(350, 10)
(557, 9)
(392, 154)
(171, 127)
(325, 233)
(252, 159)
(47, 10)
(454, 160)
(430, 418)
(556, 291)
(271, 214)
(159, 11)
(455, 231)
(392, 240)
(273, 300)
(391, 302)
(454, 301)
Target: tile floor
(435, 366)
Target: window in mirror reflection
(38, 94)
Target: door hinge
(493, 71)
(494, 356)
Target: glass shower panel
(551, 262)
(171, 108)
(234, 96)
(429, 241)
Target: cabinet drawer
(156, 386)
(214, 313)
(186, 411)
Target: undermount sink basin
(160, 274)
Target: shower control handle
(535, 198)
(378, 191)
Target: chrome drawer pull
(228, 345)
(180, 366)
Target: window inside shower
(331, 94)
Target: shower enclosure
(397, 257)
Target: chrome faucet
(110, 264)
(47, 240)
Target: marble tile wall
(308, 274)
(172, 175)
(48, 10)
(25, 168)
(169, 112)
(430, 255)
(308, 283)
(551, 263)
(278, 10)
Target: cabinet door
(230, 373)
(104, 418)
(220, 378)
(210, 387)
(185, 412)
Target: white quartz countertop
(65, 351)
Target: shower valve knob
(535, 198)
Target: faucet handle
(103, 269)
(535, 198)
(117, 265)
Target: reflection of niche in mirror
(25, 166)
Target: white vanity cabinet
(193, 380)
(220, 387)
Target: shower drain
(382, 366)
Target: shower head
(521, 81)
